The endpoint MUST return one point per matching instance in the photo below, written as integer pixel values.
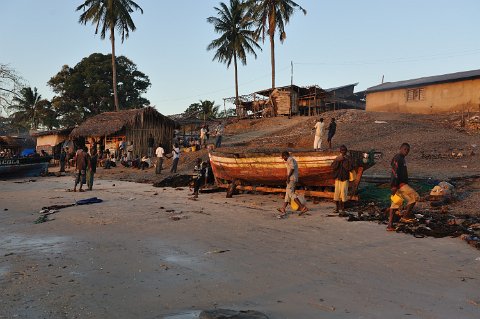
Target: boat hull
(24, 166)
(260, 169)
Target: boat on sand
(264, 170)
(24, 166)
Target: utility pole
(291, 77)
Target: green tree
(236, 37)
(83, 90)
(270, 16)
(108, 15)
(31, 111)
(203, 110)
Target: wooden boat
(24, 166)
(265, 171)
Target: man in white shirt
(159, 152)
(203, 137)
(176, 158)
(292, 179)
(319, 128)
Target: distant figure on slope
(332, 128)
(319, 128)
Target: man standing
(91, 168)
(150, 143)
(200, 170)
(319, 127)
(80, 167)
(399, 186)
(292, 179)
(219, 134)
(122, 146)
(63, 157)
(203, 137)
(176, 158)
(332, 128)
(342, 165)
(159, 152)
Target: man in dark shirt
(91, 168)
(400, 188)
(332, 128)
(80, 168)
(342, 165)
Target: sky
(338, 42)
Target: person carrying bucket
(292, 179)
(400, 190)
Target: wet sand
(127, 258)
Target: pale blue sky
(337, 42)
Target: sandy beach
(149, 252)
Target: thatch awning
(109, 123)
(63, 131)
(11, 141)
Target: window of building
(416, 94)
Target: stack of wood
(282, 101)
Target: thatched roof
(11, 141)
(111, 122)
(62, 131)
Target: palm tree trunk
(272, 57)
(114, 69)
(236, 83)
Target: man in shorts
(399, 186)
(292, 179)
(342, 165)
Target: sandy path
(125, 258)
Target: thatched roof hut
(134, 125)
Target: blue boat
(24, 166)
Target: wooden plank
(308, 193)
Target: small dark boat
(24, 166)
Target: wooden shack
(106, 130)
(51, 141)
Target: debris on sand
(231, 314)
(218, 251)
(174, 181)
(178, 217)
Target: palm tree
(236, 37)
(108, 15)
(28, 106)
(271, 15)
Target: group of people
(205, 135)
(319, 129)
(85, 168)
(160, 155)
(343, 168)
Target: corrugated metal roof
(451, 77)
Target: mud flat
(149, 252)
